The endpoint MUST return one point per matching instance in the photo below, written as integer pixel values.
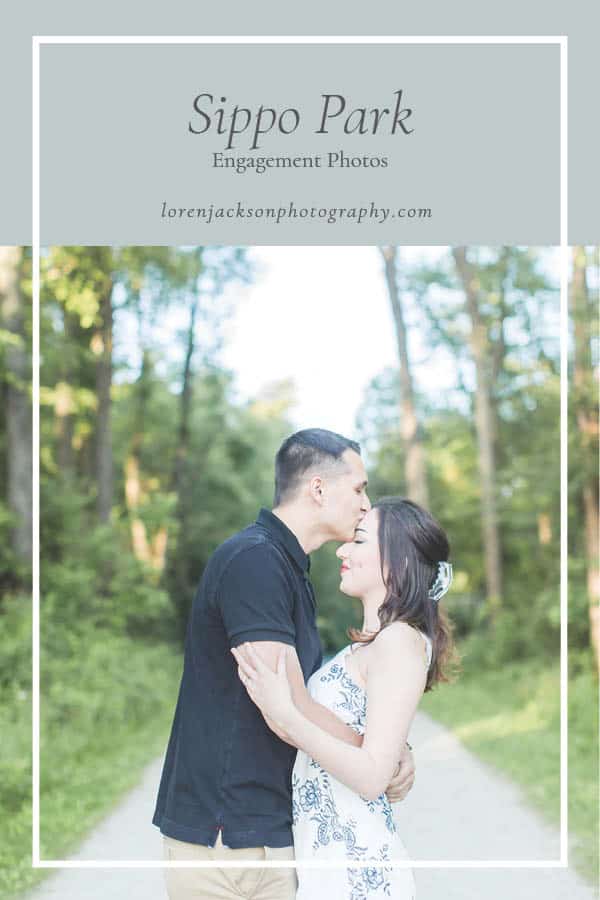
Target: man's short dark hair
(301, 452)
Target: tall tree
(147, 549)
(179, 574)
(64, 403)
(106, 268)
(485, 428)
(103, 341)
(583, 314)
(415, 462)
(208, 272)
(102, 348)
(185, 406)
(18, 405)
(152, 279)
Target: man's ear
(316, 488)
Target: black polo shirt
(225, 769)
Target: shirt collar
(282, 533)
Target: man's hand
(404, 777)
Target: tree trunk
(64, 405)
(415, 464)
(102, 347)
(485, 428)
(133, 490)
(179, 578)
(185, 407)
(150, 551)
(65, 428)
(586, 409)
(18, 405)
(133, 486)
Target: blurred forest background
(148, 461)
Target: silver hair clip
(442, 582)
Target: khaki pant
(228, 884)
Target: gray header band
(468, 152)
(579, 20)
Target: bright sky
(320, 316)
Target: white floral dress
(331, 821)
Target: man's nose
(366, 503)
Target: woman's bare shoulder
(398, 637)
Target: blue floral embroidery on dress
(329, 825)
(309, 795)
(354, 699)
(332, 821)
(295, 805)
(383, 804)
(368, 881)
(334, 672)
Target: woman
(398, 566)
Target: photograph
(300, 537)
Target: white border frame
(562, 42)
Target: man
(225, 791)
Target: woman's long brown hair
(411, 544)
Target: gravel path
(458, 809)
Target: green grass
(510, 718)
(106, 710)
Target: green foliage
(90, 577)
(519, 309)
(15, 661)
(106, 703)
(108, 668)
(190, 476)
(12, 571)
(100, 699)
